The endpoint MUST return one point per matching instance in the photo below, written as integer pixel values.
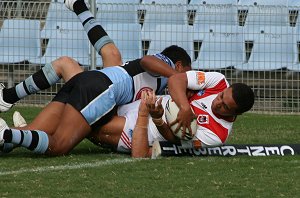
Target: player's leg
(50, 74)
(109, 133)
(97, 35)
(87, 106)
(53, 111)
(71, 129)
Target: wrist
(185, 107)
(158, 121)
(143, 114)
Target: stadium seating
(118, 1)
(263, 2)
(213, 2)
(162, 14)
(221, 47)
(264, 12)
(274, 48)
(127, 38)
(19, 40)
(57, 12)
(294, 67)
(117, 13)
(175, 34)
(274, 15)
(68, 39)
(175, 2)
(214, 12)
(295, 5)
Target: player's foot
(156, 150)
(18, 120)
(4, 106)
(70, 4)
(3, 127)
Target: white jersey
(145, 81)
(212, 131)
(130, 112)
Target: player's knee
(66, 67)
(111, 55)
(65, 60)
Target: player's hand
(184, 118)
(154, 105)
(143, 110)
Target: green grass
(91, 171)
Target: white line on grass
(70, 167)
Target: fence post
(92, 50)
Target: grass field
(91, 171)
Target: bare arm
(156, 111)
(140, 147)
(154, 65)
(177, 87)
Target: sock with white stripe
(41, 80)
(96, 34)
(36, 141)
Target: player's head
(179, 57)
(234, 100)
(243, 96)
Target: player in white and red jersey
(216, 104)
(212, 129)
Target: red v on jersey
(204, 119)
(201, 105)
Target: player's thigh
(48, 119)
(71, 130)
(110, 133)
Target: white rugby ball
(171, 115)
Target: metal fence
(246, 40)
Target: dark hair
(176, 53)
(243, 96)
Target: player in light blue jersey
(88, 100)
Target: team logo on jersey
(203, 119)
(200, 77)
(139, 93)
(200, 93)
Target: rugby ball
(171, 115)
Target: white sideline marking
(69, 167)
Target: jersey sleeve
(208, 138)
(165, 59)
(198, 80)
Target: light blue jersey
(122, 84)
